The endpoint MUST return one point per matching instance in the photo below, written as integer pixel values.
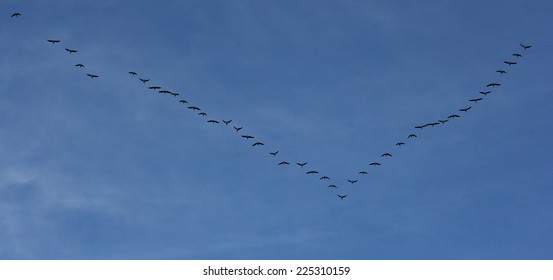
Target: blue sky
(107, 169)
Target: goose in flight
(411, 136)
(164, 91)
(183, 101)
(213, 121)
(237, 128)
(386, 155)
(501, 72)
(324, 178)
(283, 163)
(70, 50)
(174, 94)
(194, 108)
(203, 114)
(312, 172)
(342, 196)
(399, 144)
(433, 124)
(79, 65)
(443, 121)
(363, 172)
(453, 116)
(517, 55)
(133, 73)
(509, 62)
(54, 41)
(352, 181)
(485, 92)
(475, 100)
(247, 136)
(258, 144)
(420, 126)
(227, 122)
(154, 87)
(525, 46)
(493, 85)
(374, 164)
(332, 186)
(16, 14)
(144, 80)
(274, 153)
(465, 109)
(301, 164)
(92, 76)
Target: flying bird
(213, 121)
(283, 163)
(485, 92)
(517, 55)
(493, 85)
(332, 186)
(92, 76)
(525, 46)
(465, 109)
(54, 41)
(237, 128)
(342, 196)
(433, 124)
(324, 178)
(247, 136)
(133, 73)
(386, 155)
(144, 80)
(411, 136)
(183, 101)
(301, 164)
(374, 163)
(164, 91)
(174, 94)
(154, 87)
(79, 65)
(399, 144)
(420, 126)
(258, 144)
(16, 14)
(453, 116)
(363, 172)
(501, 72)
(312, 172)
(352, 181)
(227, 122)
(202, 114)
(194, 108)
(509, 62)
(443, 121)
(70, 50)
(475, 99)
(274, 153)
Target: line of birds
(237, 129)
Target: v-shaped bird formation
(385, 156)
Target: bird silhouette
(420, 126)
(363, 172)
(465, 109)
(194, 108)
(183, 101)
(485, 92)
(213, 121)
(443, 121)
(164, 91)
(342, 196)
(227, 122)
(399, 144)
(301, 164)
(453, 116)
(332, 186)
(16, 14)
(133, 73)
(374, 164)
(283, 163)
(154, 87)
(274, 153)
(352, 181)
(475, 99)
(525, 46)
(433, 124)
(412, 135)
(324, 178)
(203, 114)
(517, 55)
(70, 50)
(501, 72)
(509, 62)
(237, 128)
(386, 155)
(312, 172)
(144, 80)
(92, 76)
(79, 65)
(493, 85)
(53, 41)
(258, 144)
(247, 136)
(174, 94)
